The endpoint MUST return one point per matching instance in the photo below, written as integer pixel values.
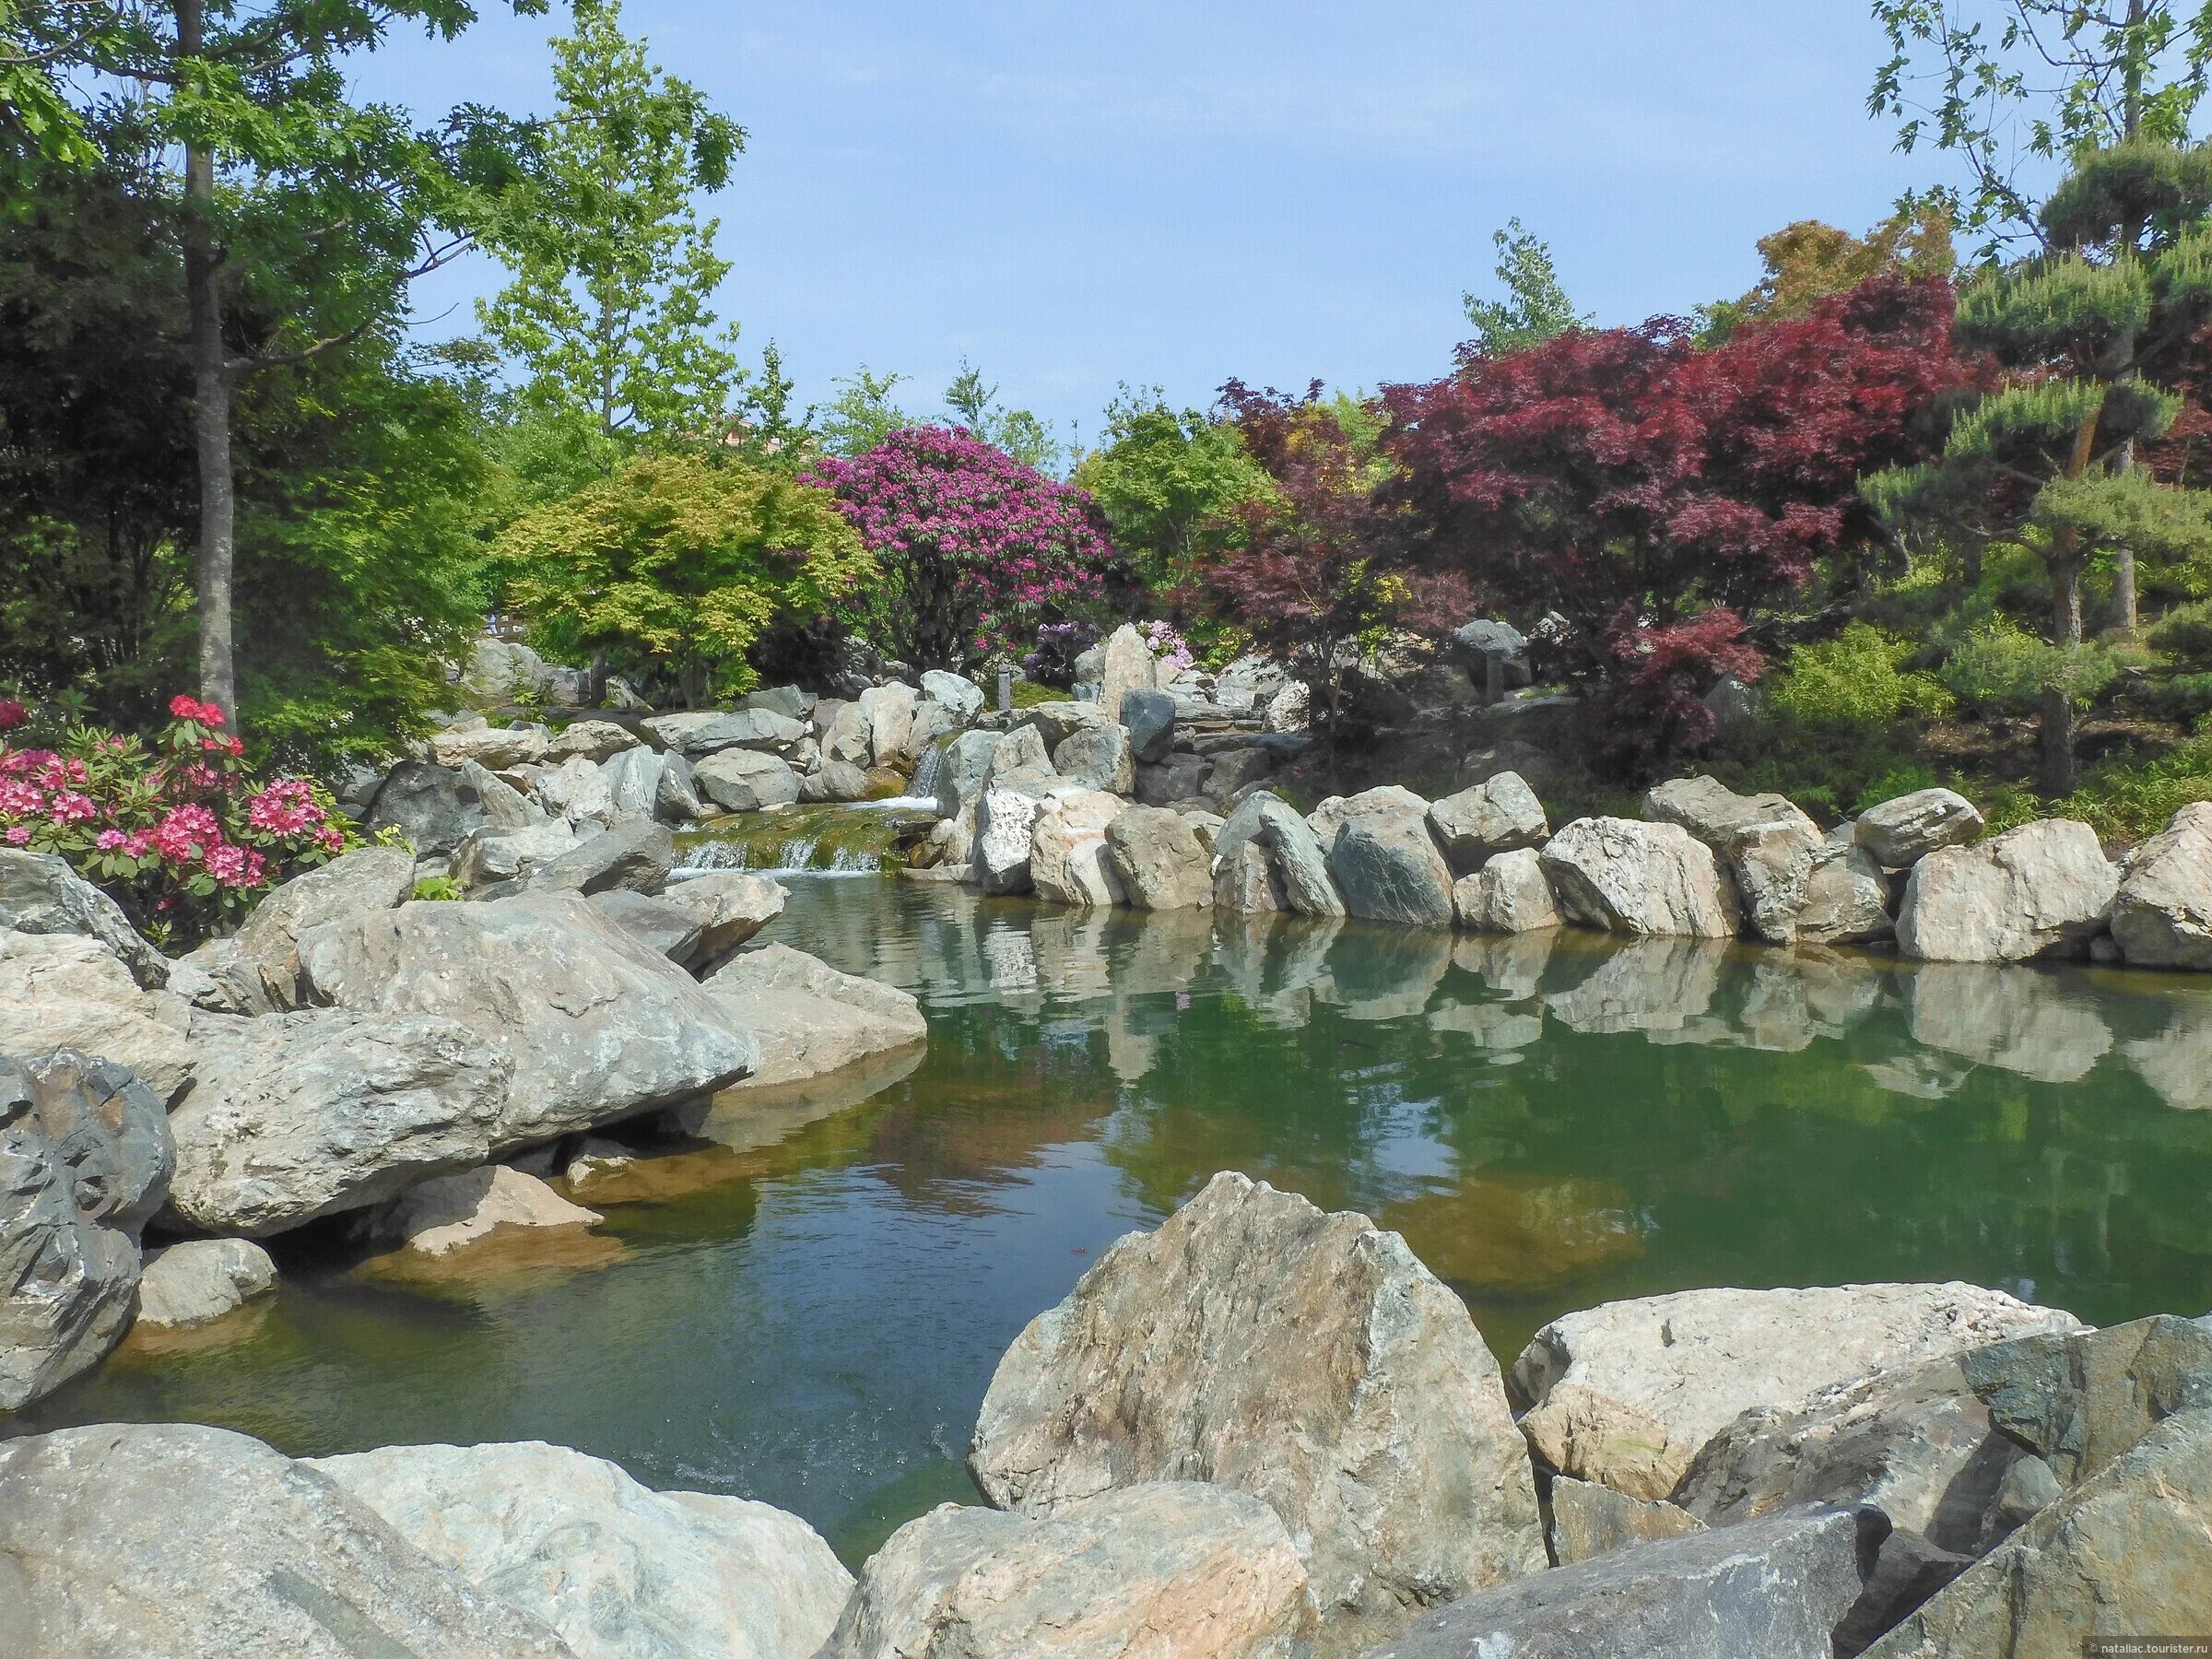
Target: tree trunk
(211, 405)
(2059, 773)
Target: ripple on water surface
(805, 1305)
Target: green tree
(1170, 483)
(321, 208)
(2034, 463)
(610, 309)
(1536, 308)
(1807, 261)
(863, 414)
(1016, 431)
(677, 563)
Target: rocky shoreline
(1261, 1431)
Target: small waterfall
(801, 854)
(924, 786)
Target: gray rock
(505, 807)
(888, 711)
(1589, 1520)
(1235, 770)
(1005, 825)
(836, 781)
(1846, 899)
(1508, 895)
(666, 928)
(437, 1216)
(633, 780)
(1629, 1393)
(1388, 868)
(1129, 665)
(787, 701)
(2043, 888)
(366, 879)
(1332, 814)
(846, 734)
(635, 854)
(130, 1539)
(294, 1116)
(595, 740)
(2079, 1399)
(961, 774)
(494, 747)
(619, 1570)
(2126, 1554)
(1305, 1358)
(1772, 1589)
(1296, 863)
(202, 1279)
(709, 730)
(1068, 863)
(1499, 815)
(487, 857)
(1150, 718)
(676, 798)
(1171, 1566)
(1025, 748)
(730, 907)
(39, 894)
(1624, 876)
(954, 693)
(1178, 778)
(1161, 859)
(2163, 917)
(85, 1161)
(576, 790)
(1768, 846)
(69, 991)
(1904, 831)
(809, 1017)
(1096, 757)
(744, 780)
(595, 1025)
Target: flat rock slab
(619, 1570)
(1773, 1589)
(125, 1540)
(1589, 1520)
(1306, 1359)
(442, 1215)
(1167, 1567)
(809, 1017)
(1628, 1394)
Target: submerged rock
(1167, 1568)
(1772, 1589)
(129, 1539)
(809, 1017)
(439, 1216)
(1621, 875)
(2042, 887)
(202, 1279)
(1306, 1359)
(1628, 1394)
(619, 1570)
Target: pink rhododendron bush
(181, 833)
(973, 550)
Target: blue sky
(1072, 195)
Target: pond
(807, 1309)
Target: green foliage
(610, 309)
(678, 564)
(2055, 308)
(1856, 679)
(2183, 699)
(2131, 509)
(2002, 669)
(2184, 633)
(863, 414)
(1170, 483)
(2130, 799)
(438, 889)
(1016, 431)
(1808, 259)
(1536, 308)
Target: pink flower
(72, 807)
(184, 832)
(107, 841)
(12, 714)
(19, 835)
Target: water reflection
(810, 1293)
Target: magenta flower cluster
(969, 539)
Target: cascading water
(797, 854)
(845, 838)
(926, 770)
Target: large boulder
(1067, 848)
(835, 781)
(1327, 819)
(1508, 895)
(364, 880)
(665, 929)
(954, 693)
(1151, 719)
(676, 798)
(1846, 899)
(698, 734)
(595, 1025)
(740, 780)
(1298, 864)
(444, 1214)
(889, 710)
(1178, 778)
(293, 1116)
(791, 701)
(431, 807)
(961, 773)
(41, 894)
(1497, 816)
(496, 749)
(487, 858)
(633, 780)
(1162, 862)
(2162, 916)
(129, 1539)
(729, 905)
(1772, 1589)
(1768, 846)
(1167, 1567)
(807, 1016)
(576, 790)
(847, 734)
(1628, 1392)
(1621, 875)
(1388, 868)
(2043, 888)
(1588, 1520)
(1306, 1359)
(1005, 828)
(85, 1161)
(69, 991)
(598, 740)
(1097, 757)
(2079, 1399)
(1902, 832)
(504, 805)
(1129, 666)
(619, 1570)
(635, 855)
(202, 1279)
(2125, 1555)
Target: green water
(808, 1311)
